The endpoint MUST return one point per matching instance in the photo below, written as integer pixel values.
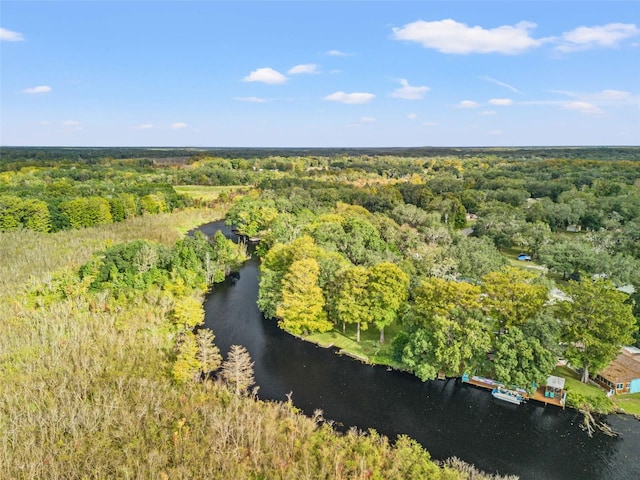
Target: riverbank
(580, 396)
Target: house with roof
(623, 374)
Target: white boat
(507, 395)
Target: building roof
(555, 382)
(624, 368)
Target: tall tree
(237, 370)
(208, 354)
(596, 323)
(522, 359)
(302, 306)
(512, 296)
(388, 289)
(352, 305)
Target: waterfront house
(623, 374)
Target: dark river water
(448, 418)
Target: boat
(511, 396)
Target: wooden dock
(490, 384)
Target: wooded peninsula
(437, 261)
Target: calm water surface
(448, 418)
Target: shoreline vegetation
(87, 389)
(589, 398)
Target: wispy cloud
(502, 84)
(250, 99)
(38, 89)
(350, 98)
(178, 125)
(430, 124)
(468, 104)
(304, 68)
(449, 36)
(603, 36)
(10, 36)
(144, 126)
(408, 92)
(338, 53)
(367, 119)
(265, 75)
(412, 116)
(591, 103)
(585, 108)
(488, 113)
(501, 102)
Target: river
(448, 418)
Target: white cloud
(502, 102)
(407, 92)
(38, 89)
(144, 126)
(178, 125)
(585, 108)
(612, 95)
(250, 99)
(10, 36)
(412, 116)
(367, 119)
(430, 124)
(488, 112)
(338, 53)
(449, 36)
(502, 84)
(304, 68)
(265, 75)
(607, 36)
(350, 98)
(71, 124)
(468, 104)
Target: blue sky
(319, 74)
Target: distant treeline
(176, 155)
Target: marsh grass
(31, 257)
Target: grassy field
(204, 192)
(369, 349)
(581, 395)
(628, 403)
(573, 383)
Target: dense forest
(414, 253)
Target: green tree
(302, 306)
(388, 289)
(522, 360)
(436, 296)
(188, 313)
(596, 323)
(186, 367)
(511, 296)
(153, 203)
(352, 306)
